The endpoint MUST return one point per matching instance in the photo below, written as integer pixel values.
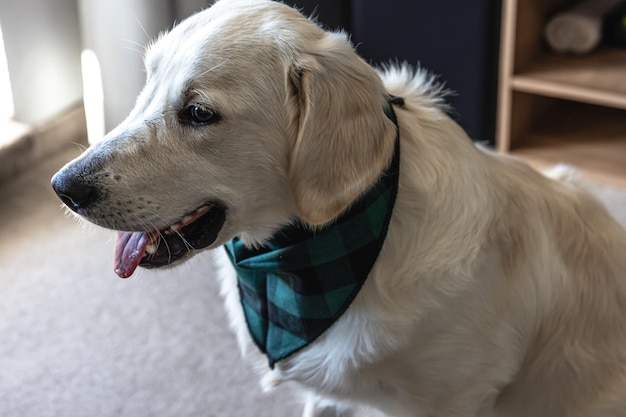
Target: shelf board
(584, 157)
(598, 78)
(588, 137)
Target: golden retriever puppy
(373, 254)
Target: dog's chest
(347, 368)
(350, 362)
(399, 366)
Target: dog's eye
(197, 115)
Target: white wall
(117, 32)
(185, 8)
(42, 43)
(44, 40)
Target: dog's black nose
(73, 191)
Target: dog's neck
(297, 285)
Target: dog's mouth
(158, 248)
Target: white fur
(498, 292)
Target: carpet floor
(77, 341)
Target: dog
(496, 290)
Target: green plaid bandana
(297, 285)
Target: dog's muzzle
(137, 245)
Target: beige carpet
(76, 341)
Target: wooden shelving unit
(560, 108)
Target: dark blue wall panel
(456, 39)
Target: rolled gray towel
(579, 29)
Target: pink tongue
(129, 250)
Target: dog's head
(251, 116)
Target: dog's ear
(343, 140)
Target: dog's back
(576, 361)
(555, 261)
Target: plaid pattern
(301, 282)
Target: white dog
(497, 291)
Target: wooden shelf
(559, 108)
(599, 78)
(592, 138)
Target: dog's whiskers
(80, 146)
(149, 226)
(188, 245)
(143, 29)
(210, 69)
